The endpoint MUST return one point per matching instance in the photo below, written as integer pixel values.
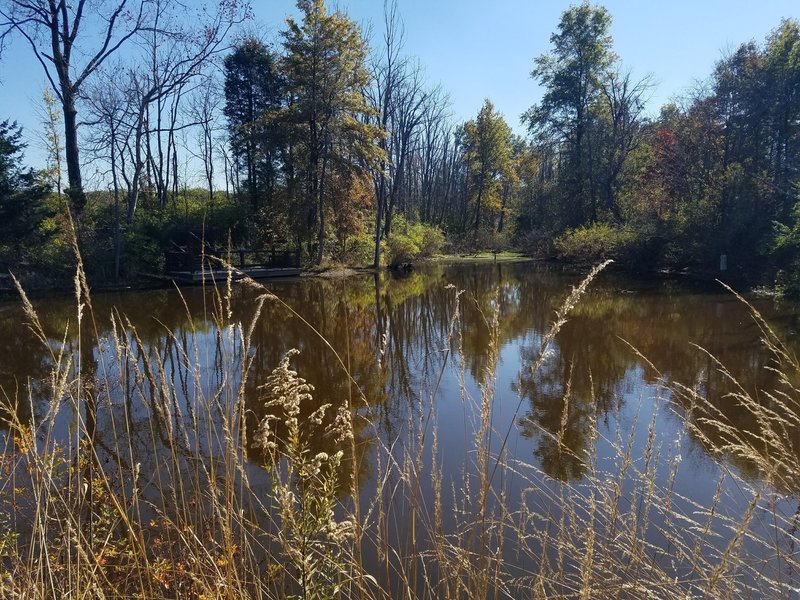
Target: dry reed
(81, 518)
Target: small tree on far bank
(487, 153)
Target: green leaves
(23, 196)
(487, 153)
(254, 90)
(325, 70)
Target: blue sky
(478, 49)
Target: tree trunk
(381, 200)
(321, 234)
(75, 190)
(115, 183)
(501, 223)
(478, 209)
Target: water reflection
(390, 334)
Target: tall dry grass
(82, 517)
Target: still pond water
(394, 336)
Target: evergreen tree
(22, 199)
(254, 91)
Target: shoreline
(147, 281)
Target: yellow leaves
(226, 559)
(24, 440)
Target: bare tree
(625, 100)
(408, 114)
(204, 110)
(176, 58)
(434, 132)
(387, 70)
(54, 29)
(110, 109)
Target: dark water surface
(392, 334)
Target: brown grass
(80, 518)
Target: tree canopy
(23, 196)
(339, 151)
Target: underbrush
(82, 516)
(409, 243)
(633, 247)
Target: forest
(336, 145)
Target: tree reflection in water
(391, 333)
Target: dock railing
(179, 261)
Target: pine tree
(254, 91)
(22, 198)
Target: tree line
(341, 148)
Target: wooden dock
(220, 275)
(196, 268)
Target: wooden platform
(199, 265)
(220, 275)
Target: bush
(400, 250)
(785, 251)
(359, 249)
(430, 239)
(787, 283)
(408, 243)
(484, 240)
(537, 243)
(628, 245)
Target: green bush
(400, 250)
(785, 250)
(359, 249)
(787, 282)
(430, 239)
(407, 244)
(632, 246)
(590, 243)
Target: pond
(429, 363)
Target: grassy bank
(155, 492)
(482, 256)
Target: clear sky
(484, 49)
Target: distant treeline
(322, 142)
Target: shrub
(537, 243)
(631, 246)
(358, 249)
(409, 243)
(430, 239)
(400, 250)
(785, 250)
(484, 240)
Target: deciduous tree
(487, 153)
(327, 76)
(572, 75)
(71, 40)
